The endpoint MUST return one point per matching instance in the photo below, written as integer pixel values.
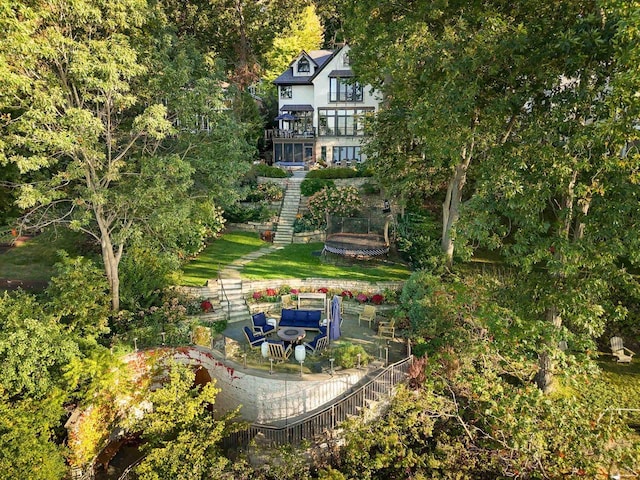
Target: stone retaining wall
(269, 398)
(250, 286)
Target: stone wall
(313, 284)
(265, 398)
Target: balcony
(281, 133)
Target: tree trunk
(110, 258)
(451, 207)
(544, 377)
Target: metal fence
(328, 418)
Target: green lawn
(223, 251)
(304, 261)
(34, 260)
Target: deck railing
(329, 417)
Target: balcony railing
(346, 96)
(281, 133)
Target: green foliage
(304, 32)
(34, 347)
(309, 186)
(146, 272)
(79, 297)
(418, 238)
(338, 172)
(305, 223)
(346, 355)
(268, 171)
(370, 188)
(243, 214)
(340, 201)
(181, 433)
(27, 444)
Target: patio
(236, 346)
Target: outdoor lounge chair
(319, 342)
(386, 328)
(254, 339)
(260, 325)
(288, 302)
(367, 315)
(278, 351)
(618, 350)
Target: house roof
(319, 57)
(296, 108)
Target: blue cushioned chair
(254, 339)
(260, 325)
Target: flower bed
(386, 296)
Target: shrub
(377, 299)
(270, 192)
(370, 188)
(331, 173)
(305, 223)
(263, 170)
(309, 186)
(242, 214)
(346, 355)
(342, 201)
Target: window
(292, 152)
(303, 65)
(344, 154)
(344, 90)
(345, 60)
(285, 92)
(341, 122)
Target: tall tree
(83, 119)
(457, 77)
(557, 199)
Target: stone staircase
(230, 283)
(231, 299)
(288, 212)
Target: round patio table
(291, 334)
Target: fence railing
(328, 418)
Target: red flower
(294, 291)
(206, 306)
(323, 290)
(271, 292)
(377, 299)
(257, 295)
(362, 298)
(346, 293)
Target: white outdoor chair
(618, 350)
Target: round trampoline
(357, 237)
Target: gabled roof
(319, 57)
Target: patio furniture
(618, 350)
(255, 340)
(319, 342)
(368, 314)
(260, 325)
(386, 328)
(291, 334)
(288, 302)
(308, 319)
(278, 351)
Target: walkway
(230, 293)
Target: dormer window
(303, 65)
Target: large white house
(321, 110)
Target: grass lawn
(231, 246)
(34, 260)
(304, 261)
